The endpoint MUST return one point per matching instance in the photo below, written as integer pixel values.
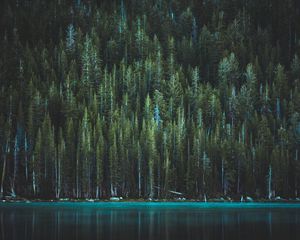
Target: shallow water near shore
(149, 220)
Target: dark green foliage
(147, 98)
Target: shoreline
(144, 201)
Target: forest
(149, 98)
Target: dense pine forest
(149, 98)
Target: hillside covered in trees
(137, 98)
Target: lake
(136, 220)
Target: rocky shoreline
(120, 199)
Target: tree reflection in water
(147, 221)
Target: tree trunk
(58, 179)
(77, 178)
(296, 177)
(158, 181)
(223, 187)
(151, 194)
(16, 148)
(239, 178)
(140, 176)
(45, 168)
(98, 193)
(203, 181)
(33, 183)
(3, 175)
(26, 159)
(26, 167)
(113, 190)
(270, 183)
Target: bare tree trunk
(113, 190)
(203, 182)
(26, 159)
(26, 167)
(253, 167)
(77, 178)
(34, 183)
(204, 185)
(151, 194)
(58, 178)
(16, 149)
(296, 177)
(45, 169)
(270, 183)
(98, 192)
(223, 187)
(6, 151)
(139, 173)
(239, 177)
(3, 175)
(89, 183)
(158, 180)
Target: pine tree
(205, 172)
(69, 166)
(114, 166)
(5, 151)
(86, 62)
(84, 155)
(35, 167)
(70, 38)
(201, 98)
(152, 156)
(99, 154)
(60, 158)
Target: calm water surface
(184, 221)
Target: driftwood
(170, 191)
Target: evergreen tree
(134, 100)
(99, 155)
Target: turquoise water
(136, 220)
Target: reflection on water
(147, 221)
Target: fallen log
(174, 192)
